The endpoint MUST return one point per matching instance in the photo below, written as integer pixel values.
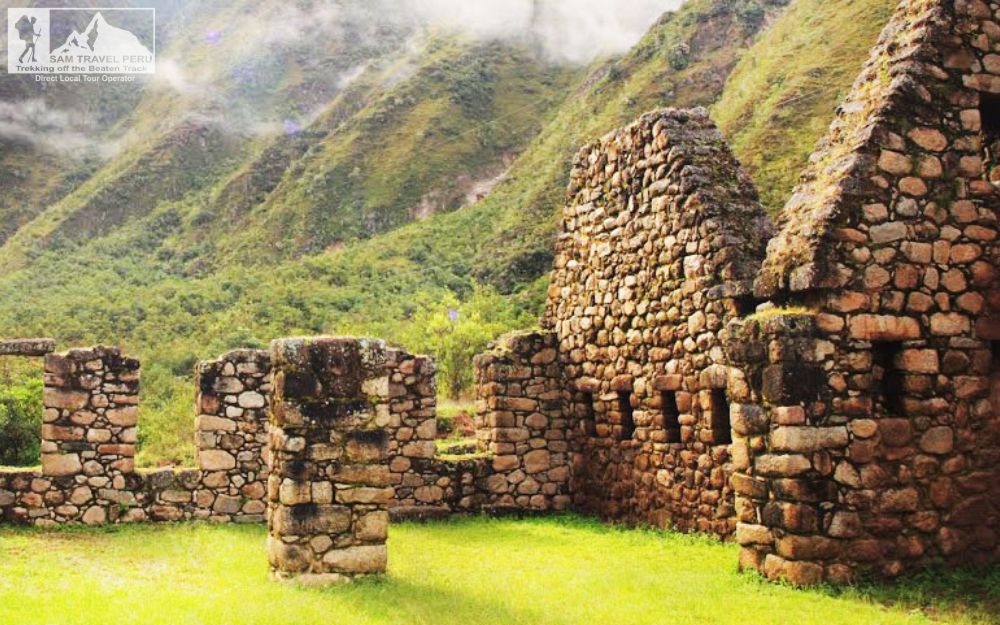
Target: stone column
(519, 420)
(231, 435)
(89, 434)
(329, 484)
(782, 462)
(412, 431)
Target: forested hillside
(263, 188)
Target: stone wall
(781, 465)
(231, 433)
(234, 392)
(521, 462)
(888, 459)
(660, 242)
(412, 429)
(88, 439)
(328, 489)
(520, 423)
(88, 446)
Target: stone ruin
(661, 240)
(828, 396)
(870, 422)
(329, 487)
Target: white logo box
(81, 40)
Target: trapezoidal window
(626, 414)
(721, 432)
(989, 118)
(989, 115)
(887, 379)
(585, 413)
(671, 416)
(746, 305)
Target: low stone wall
(88, 446)
(91, 408)
(521, 462)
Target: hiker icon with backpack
(26, 29)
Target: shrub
(20, 413)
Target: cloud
(568, 31)
(56, 131)
(565, 31)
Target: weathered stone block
(216, 460)
(883, 328)
(61, 464)
(358, 560)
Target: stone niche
(329, 484)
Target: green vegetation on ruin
(549, 571)
(778, 311)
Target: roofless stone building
(661, 240)
(831, 395)
(871, 421)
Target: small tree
(454, 332)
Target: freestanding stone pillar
(329, 482)
(89, 434)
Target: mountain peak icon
(100, 37)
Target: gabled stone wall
(888, 458)
(660, 242)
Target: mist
(55, 131)
(567, 31)
(573, 32)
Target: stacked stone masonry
(829, 395)
(870, 431)
(420, 487)
(661, 239)
(89, 434)
(234, 393)
(521, 425)
(88, 437)
(329, 485)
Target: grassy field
(557, 570)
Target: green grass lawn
(556, 570)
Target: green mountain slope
(357, 218)
(780, 97)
